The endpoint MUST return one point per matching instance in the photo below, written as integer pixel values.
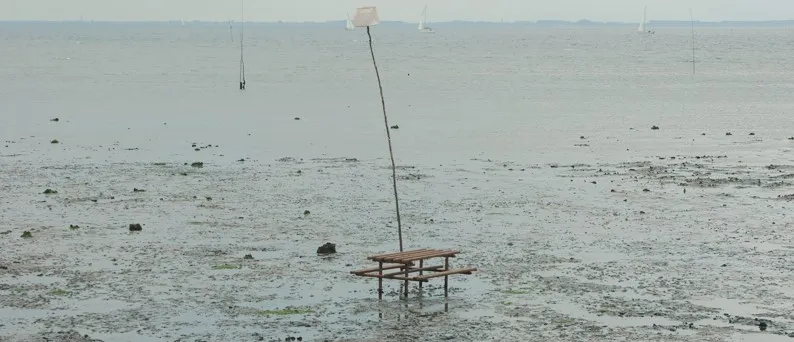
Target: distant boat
(231, 31)
(242, 62)
(349, 25)
(641, 28)
(423, 27)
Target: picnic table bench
(405, 263)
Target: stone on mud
(328, 248)
(135, 227)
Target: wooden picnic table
(406, 263)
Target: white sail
(349, 25)
(641, 28)
(423, 27)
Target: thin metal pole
(692, 19)
(388, 137)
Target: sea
(143, 91)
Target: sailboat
(231, 31)
(641, 28)
(423, 27)
(242, 62)
(349, 25)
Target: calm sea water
(502, 92)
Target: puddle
(575, 311)
(32, 279)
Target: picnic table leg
(421, 264)
(406, 282)
(380, 280)
(446, 268)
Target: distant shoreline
(539, 23)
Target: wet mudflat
(669, 248)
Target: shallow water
(528, 150)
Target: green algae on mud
(226, 267)
(285, 311)
(58, 292)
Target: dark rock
(197, 164)
(328, 248)
(306, 212)
(395, 127)
(27, 235)
(55, 141)
(654, 127)
(729, 133)
(241, 160)
(762, 326)
(50, 192)
(74, 226)
(55, 120)
(248, 257)
(138, 190)
(751, 133)
(646, 190)
(297, 118)
(581, 137)
(135, 227)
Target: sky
(402, 10)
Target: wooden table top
(413, 255)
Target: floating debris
(248, 257)
(306, 212)
(728, 133)
(27, 235)
(328, 248)
(138, 190)
(395, 127)
(55, 141)
(50, 192)
(654, 127)
(55, 119)
(752, 133)
(74, 226)
(197, 164)
(297, 118)
(135, 227)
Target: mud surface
(666, 248)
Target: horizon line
(281, 22)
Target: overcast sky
(405, 10)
